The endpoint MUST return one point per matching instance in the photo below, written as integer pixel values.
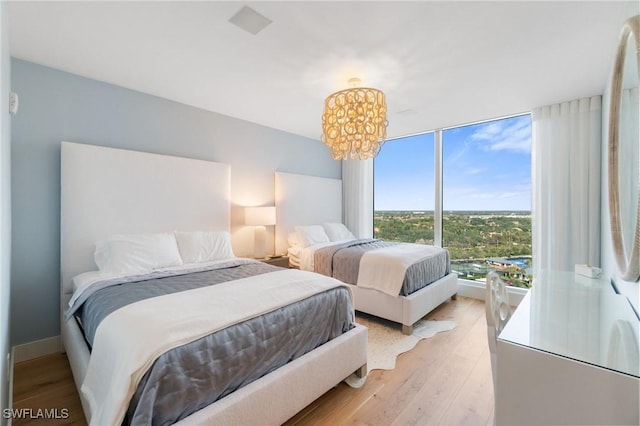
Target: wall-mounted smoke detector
(250, 20)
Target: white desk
(569, 355)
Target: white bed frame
(310, 200)
(106, 191)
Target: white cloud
(475, 171)
(510, 134)
(512, 190)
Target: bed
(114, 197)
(315, 203)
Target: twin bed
(172, 327)
(308, 228)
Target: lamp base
(260, 242)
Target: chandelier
(354, 122)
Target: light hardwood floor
(444, 380)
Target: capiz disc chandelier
(354, 122)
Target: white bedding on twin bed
(384, 269)
(130, 339)
(298, 205)
(381, 269)
(307, 254)
(294, 256)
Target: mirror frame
(628, 263)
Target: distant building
(501, 262)
(470, 269)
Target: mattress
(343, 261)
(190, 377)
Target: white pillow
(136, 253)
(204, 246)
(311, 235)
(292, 239)
(338, 232)
(86, 278)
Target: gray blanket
(106, 300)
(195, 375)
(342, 261)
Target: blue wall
(57, 106)
(5, 207)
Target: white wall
(56, 106)
(5, 207)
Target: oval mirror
(624, 152)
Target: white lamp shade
(259, 216)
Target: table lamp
(259, 217)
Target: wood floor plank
(341, 404)
(445, 379)
(38, 374)
(415, 382)
(46, 384)
(473, 404)
(412, 371)
(456, 362)
(430, 402)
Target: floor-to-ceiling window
(486, 196)
(486, 187)
(404, 190)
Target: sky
(486, 166)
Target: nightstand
(282, 261)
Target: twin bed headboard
(304, 200)
(108, 191)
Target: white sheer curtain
(357, 196)
(566, 184)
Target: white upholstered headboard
(108, 191)
(304, 200)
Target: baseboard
(10, 400)
(476, 290)
(36, 349)
(469, 290)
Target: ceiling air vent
(249, 20)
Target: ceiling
(440, 63)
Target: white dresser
(569, 355)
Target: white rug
(386, 342)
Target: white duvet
(130, 339)
(306, 254)
(382, 269)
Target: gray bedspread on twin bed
(342, 261)
(195, 375)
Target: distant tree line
(467, 235)
(470, 236)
